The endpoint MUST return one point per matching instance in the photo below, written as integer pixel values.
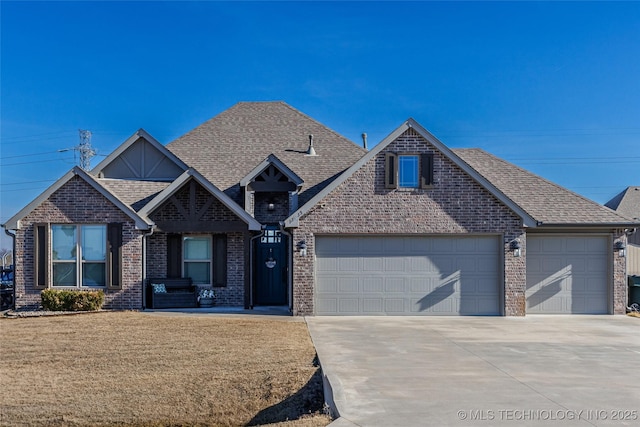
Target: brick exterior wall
(76, 202)
(280, 203)
(231, 295)
(456, 205)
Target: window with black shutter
(41, 259)
(114, 248)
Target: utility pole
(85, 149)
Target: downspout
(289, 264)
(251, 282)
(144, 265)
(13, 260)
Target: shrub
(64, 300)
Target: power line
(27, 182)
(29, 163)
(29, 155)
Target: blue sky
(552, 87)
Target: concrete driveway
(469, 371)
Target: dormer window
(408, 170)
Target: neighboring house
(270, 207)
(627, 203)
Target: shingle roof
(134, 193)
(546, 202)
(227, 147)
(627, 203)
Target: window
(197, 259)
(79, 255)
(203, 258)
(408, 170)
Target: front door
(271, 268)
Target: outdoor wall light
(516, 247)
(621, 248)
(271, 207)
(302, 247)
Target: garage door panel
(327, 285)
(394, 264)
(348, 304)
(420, 246)
(395, 285)
(421, 275)
(567, 274)
(442, 245)
(394, 305)
(595, 265)
(349, 264)
(373, 284)
(348, 284)
(373, 264)
(372, 305)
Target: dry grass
(634, 314)
(141, 369)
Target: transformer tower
(85, 149)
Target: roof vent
(364, 140)
(310, 150)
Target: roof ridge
(321, 124)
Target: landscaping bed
(143, 369)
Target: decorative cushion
(159, 288)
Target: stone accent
(455, 205)
(77, 202)
(620, 284)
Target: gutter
(541, 224)
(144, 265)
(289, 264)
(13, 256)
(251, 266)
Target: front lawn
(145, 369)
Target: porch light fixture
(271, 207)
(621, 248)
(516, 247)
(302, 248)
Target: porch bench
(180, 293)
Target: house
(627, 203)
(269, 207)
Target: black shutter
(174, 256)
(114, 254)
(390, 170)
(219, 260)
(40, 256)
(426, 170)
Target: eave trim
(191, 173)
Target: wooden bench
(180, 293)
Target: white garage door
(407, 275)
(567, 274)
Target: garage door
(567, 274)
(402, 275)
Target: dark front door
(271, 268)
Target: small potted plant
(205, 297)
